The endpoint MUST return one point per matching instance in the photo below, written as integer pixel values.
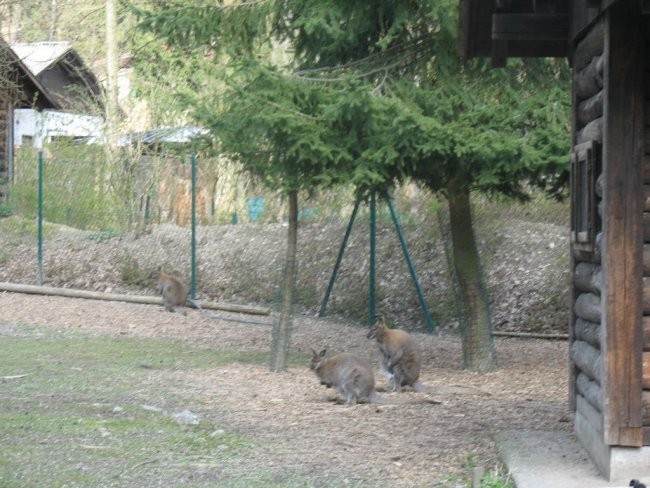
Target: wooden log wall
(586, 332)
(586, 317)
(5, 120)
(646, 247)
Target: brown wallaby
(175, 296)
(352, 377)
(174, 292)
(401, 357)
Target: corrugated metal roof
(38, 56)
(178, 135)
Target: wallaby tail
(196, 304)
(378, 399)
(447, 390)
(422, 388)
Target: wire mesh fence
(111, 229)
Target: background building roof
(38, 56)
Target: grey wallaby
(401, 360)
(352, 377)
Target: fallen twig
(139, 465)
(14, 377)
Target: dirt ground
(414, 444)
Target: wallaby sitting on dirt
(351, 376)
(174, 292)
(176, 295)
(401, 357)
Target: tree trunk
(478, 345)
(111, 81)
(282, 329)
(54, 21)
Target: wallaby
(401, 357)
(352, 377)
(175, 295)
(174, 292)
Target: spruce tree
(374, 93)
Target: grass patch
(82, 410)
(497, 478)
(24, 228)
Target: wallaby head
(351, 376)
(378, 331)
(316, 359)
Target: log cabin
(606, 45)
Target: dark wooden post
(622, 226)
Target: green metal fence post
(373, 256)
(339, 258)
(147, 202)
(431, 326)
(39, 275)
(193, 238)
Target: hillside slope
(525, 267)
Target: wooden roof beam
(528, 35)
(530, 27)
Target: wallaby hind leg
(394, 375)
(171, 308)
(350, 396)
(389, 375)
(352, 391)
(397, 379)
(391, 383)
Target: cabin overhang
(528, 35)
(500, 29)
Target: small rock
(186, 418)
(151, 408)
